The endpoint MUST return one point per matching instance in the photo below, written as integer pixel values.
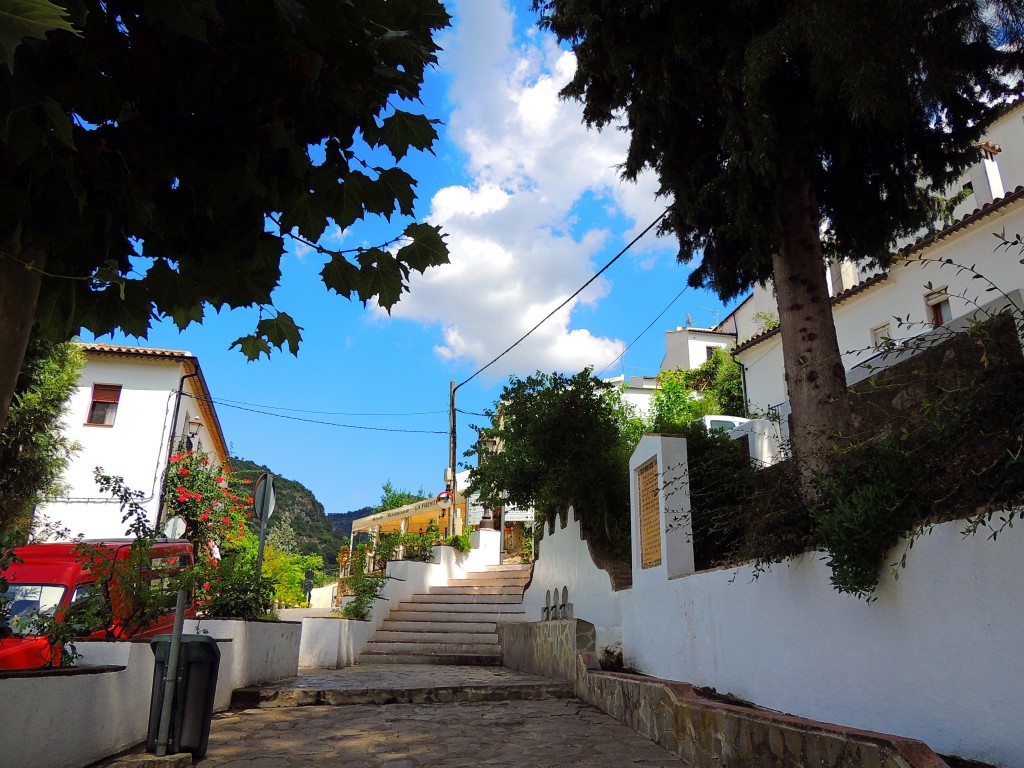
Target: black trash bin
(192, 709)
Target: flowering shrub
(217, 512)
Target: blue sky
(533, 207)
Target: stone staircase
(456, 624)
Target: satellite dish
(175, 528)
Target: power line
(645, 330)
(317, 421)
(326, 413)
(577, 293)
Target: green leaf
(28, 18)
(60, 121)
(398, 185)
(186, 18)
(340, 275)
(281, 330)
(427, 248)
(381, 276)
(403, 130)
(306, 215)
(252, 347)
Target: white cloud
(518, 240)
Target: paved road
(523, 734)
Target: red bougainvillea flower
(205, 516)
(206, 586)
(246, 479)
(225, 519)
(197, 496)
(234, 498)
(219, 480)
(181, 490)
(182, 470)
(175, 458)
(248, 514)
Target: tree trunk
(815, 376)
(19, 294)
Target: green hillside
(343, 520)
(297, 506)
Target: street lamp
(194, 425)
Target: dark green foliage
(33, 451)
(142, 153)
(343, 520)
(420, 546)
(564, 441)
(731, 103)
(364, 585)
(234, 592)
(298, 508)
(683, 396)
(393, 498)
(939, 438)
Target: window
(104, 404)
(711, 352)
(881, 335)
(938, 311)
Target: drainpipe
(743, 384)
(170, 444)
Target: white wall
(67, 721)
(564, 561)
(900, 295)
(259, 651)
(933, 658)
(134, 447)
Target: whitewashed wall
(67, 721)
(258, 652)
(903, 293)
(564, 561)
(135, 447)
(934, 657)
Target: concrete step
(390, 647)
(449, 637)
(517, 582)
(512, 568)
(464, 598)
(471, 590)
(427, 624)
(442, 614)
(466, 659)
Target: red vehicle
(51, 578)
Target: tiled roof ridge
(122, 349)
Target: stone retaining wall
(546, 648)
(712, 734)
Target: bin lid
(193, 648)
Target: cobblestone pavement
(524, 734)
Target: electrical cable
(574, 295)
(326, 413)
(645, 330)
(316, 421)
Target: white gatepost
(660, 504)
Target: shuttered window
(104, 404)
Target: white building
(921, 291)
(637, 391)
(133, 408)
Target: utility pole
(451, 459)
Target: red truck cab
(52, 577)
